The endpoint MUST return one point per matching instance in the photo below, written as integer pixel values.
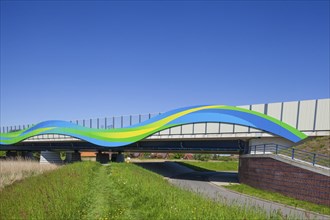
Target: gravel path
(209, 184)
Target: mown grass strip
(277, 197)
(136, 193)
(211, 166)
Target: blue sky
(85, 59)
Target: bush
(2, 153)
(178, 156)
(224, 158)
(146, 155)
(202, 157)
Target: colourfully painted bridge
(205, 128)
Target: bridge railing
(99, 123)
(292, 153)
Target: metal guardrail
(291, 152)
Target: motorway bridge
(208, 128)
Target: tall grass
(20, 168)
(59, 194)
(319, 145)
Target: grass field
(305, 151)
(211, 166)
(18, 169)
(319, 145)
(88, 190)
(60, 194)
(277, 197)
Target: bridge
(260, 133)
(208, 128)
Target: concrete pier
(47, 157)
(120, 158)
(72, 157)
(102, 157)
(11, 154)
(28, 155)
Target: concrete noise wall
(271, 174)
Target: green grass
(211, 166)
(88, 190)
(319, 145)
(305, 151)
(131, 192)
(277, 197)
(58, 194)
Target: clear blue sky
(80, 59)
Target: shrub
(202, 157)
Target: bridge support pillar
(11, 154)
(47, 157)
(28, 155)
(102, 157)
(120, 158)
(73, 157)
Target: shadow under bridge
(180, 146)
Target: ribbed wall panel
(323, 115)
(306, 115)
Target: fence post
(314, 157)
(292, 155)
(264, 148)
(276, 149)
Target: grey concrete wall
(47, 157)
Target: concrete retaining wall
(272, 173)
